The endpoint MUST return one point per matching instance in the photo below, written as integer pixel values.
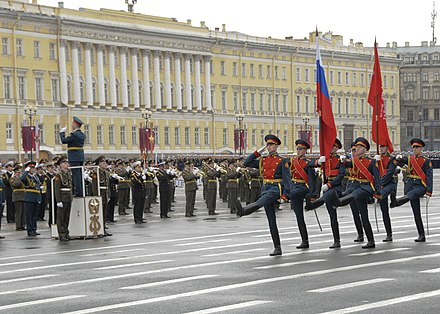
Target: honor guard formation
(262, 180)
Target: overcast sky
(361, 20)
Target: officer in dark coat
(75, 152)
(303, 183)
(63, 195)
(138, 179)
(32, 197)
(164, 178)
(420, 182)
(10, 211)
(275, 184)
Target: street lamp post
(240, 117)
(31, 111)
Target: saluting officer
(332, 188)
(303, 183)
(366, 183)
(275, 183)
(387, 169)
(75, 152)
(63, 195)
(32, 197)
(190, 179)
(420, 182)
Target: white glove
(144, 177)
(87, 177)
(60, 204)
(324, 188)
(399, 157)
(63, 129)
(321, 160)
(427, 199)
(377, 157)
(261, 150)
(27, 169)
(342, 158)
(115, 176)
(128, 169)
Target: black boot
(303, 245)
(400, 201)
(393, 200)
(277, 251)
(389, 238)
(345, 200)
(310, 205)
(421, 238)
(247, 210)
(360, 238)
(369, 245)
(336, 245)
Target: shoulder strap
(363, 169)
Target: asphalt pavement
(220, 264)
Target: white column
(157, 98)
(198, 87)
(168, 99)
(101, 85)
(146, 75)
(63, 73)
(112, 87)
(89, 88)
(75, 70)
(123, 85)
(134, 77)
(178, 87)
(188, 82)
(208, 83)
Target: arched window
(172, 95)
(69, 88)
(129, 91)
(118, 100)
(202, 96)
(161, 93)
(81, 88)
(192, 96)
(106, 97)
(151, 93)
(182, 94)
(94, 90)
(140, 91)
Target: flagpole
(321, 135)
(377, 139)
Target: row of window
(425, 115)
(429, 132)
(20, 51)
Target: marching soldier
(387, 168)
(232, 186)
(211, 186)
(332, 188)
(10, 211)
(32, 197)
(366, 183)
(63, 195)
(274, 187)
(190, 178)
(123, 187)
(137, 182)
(302, 184)
(255, 184)
(75, 152)
(420, 182)
(17, 198)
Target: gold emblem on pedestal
(94, 225)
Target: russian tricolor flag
(327, 127)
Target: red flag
(28, 137)
(142, 139)
(327, 126)
(379, 125)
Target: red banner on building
(28, 136)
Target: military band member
(32, 197)
(113, 195)
(387, 169)
(123, 187)
(190, 177)
(223, 181)
(255, 184)
(75, 153)
(164, 178)
(149, 189)
(274, 187)
(211, 175)
(10, 211)
(63, 195)
(366, 183)
(420, 183)
(43, 179)
(301, 170)
(137, 182)
(18, 197)
(331, 189)
(232, 186)
(247, 183)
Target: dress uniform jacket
(75, 153)
(17, 198)
(32, 199)
(63, 193)
(211, 187)
(232, 188)
(190, 191)
(138, 188)
(164, 178)
(255, 184)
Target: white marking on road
(431, 271)
(379, 252)
(113, 252)
(166, 282)
(229, 307)
(290, 264)
(388, 302)
(351, 285)
(233, 252)
(27, 278)
(43, 301)
(195, 243)
(250, 283)
(22, 262)
(135, 264)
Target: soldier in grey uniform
(255, 184)
(64, 195)
(17, 198)
(211, 186)
(190, 179)
(232, 186)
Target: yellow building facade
(194, 81)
